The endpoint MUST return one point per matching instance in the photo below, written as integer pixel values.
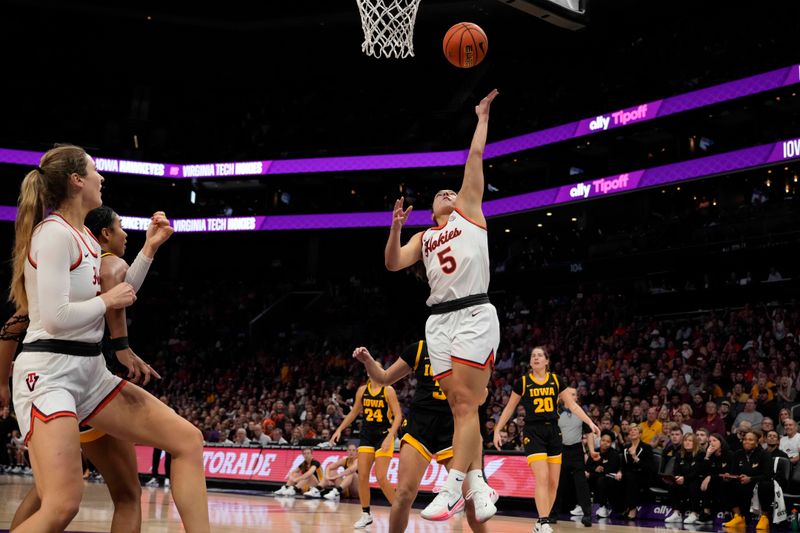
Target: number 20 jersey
(456, 258)
(539, 399)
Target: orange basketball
(465, 45)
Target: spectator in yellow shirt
(651, 428)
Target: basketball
(465, 45)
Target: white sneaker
(483, 500)
(290, 491)
(313, 492)
(577, 511)
(676, 516)
(691, 518)
(603, 512)
(445, 505)
(332, 495)
(152, 483)
(281, 491)
(166, 482)
(545, 528)
(364, 521)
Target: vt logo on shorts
(31, 380)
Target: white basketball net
(388, 27)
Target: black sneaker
(586, 520)
(705, 518)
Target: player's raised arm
(470, 196)
(376, 372)
(397, 256)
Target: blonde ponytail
(30, 211)
(43, 188)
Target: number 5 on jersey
(447, 262)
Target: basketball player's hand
(400, 216)
(498, 441)
(335, 437)
(139, 372)
(482, 109)
(362, 354)
(119, 297)
(159, 230)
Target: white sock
(454, 481)
(476, 480)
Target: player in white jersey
(114, 459)
(60, 378)
(463, 327)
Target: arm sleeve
(58, 314)
(138, 271)
(409, 355)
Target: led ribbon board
(616, 119)
(704, 167)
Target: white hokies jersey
(62, 283)
(456, 258)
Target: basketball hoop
(388, 27)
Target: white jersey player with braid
(463, 331)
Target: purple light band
(616, 119)
(586, 190)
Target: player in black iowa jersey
(539, 392)
(382, 419)
(428, 429)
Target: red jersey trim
(36, 413)
(110, 396)
(465, 217)
(79, 234)
(74, 265)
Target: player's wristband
(119, 344)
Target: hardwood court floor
(236, 512)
